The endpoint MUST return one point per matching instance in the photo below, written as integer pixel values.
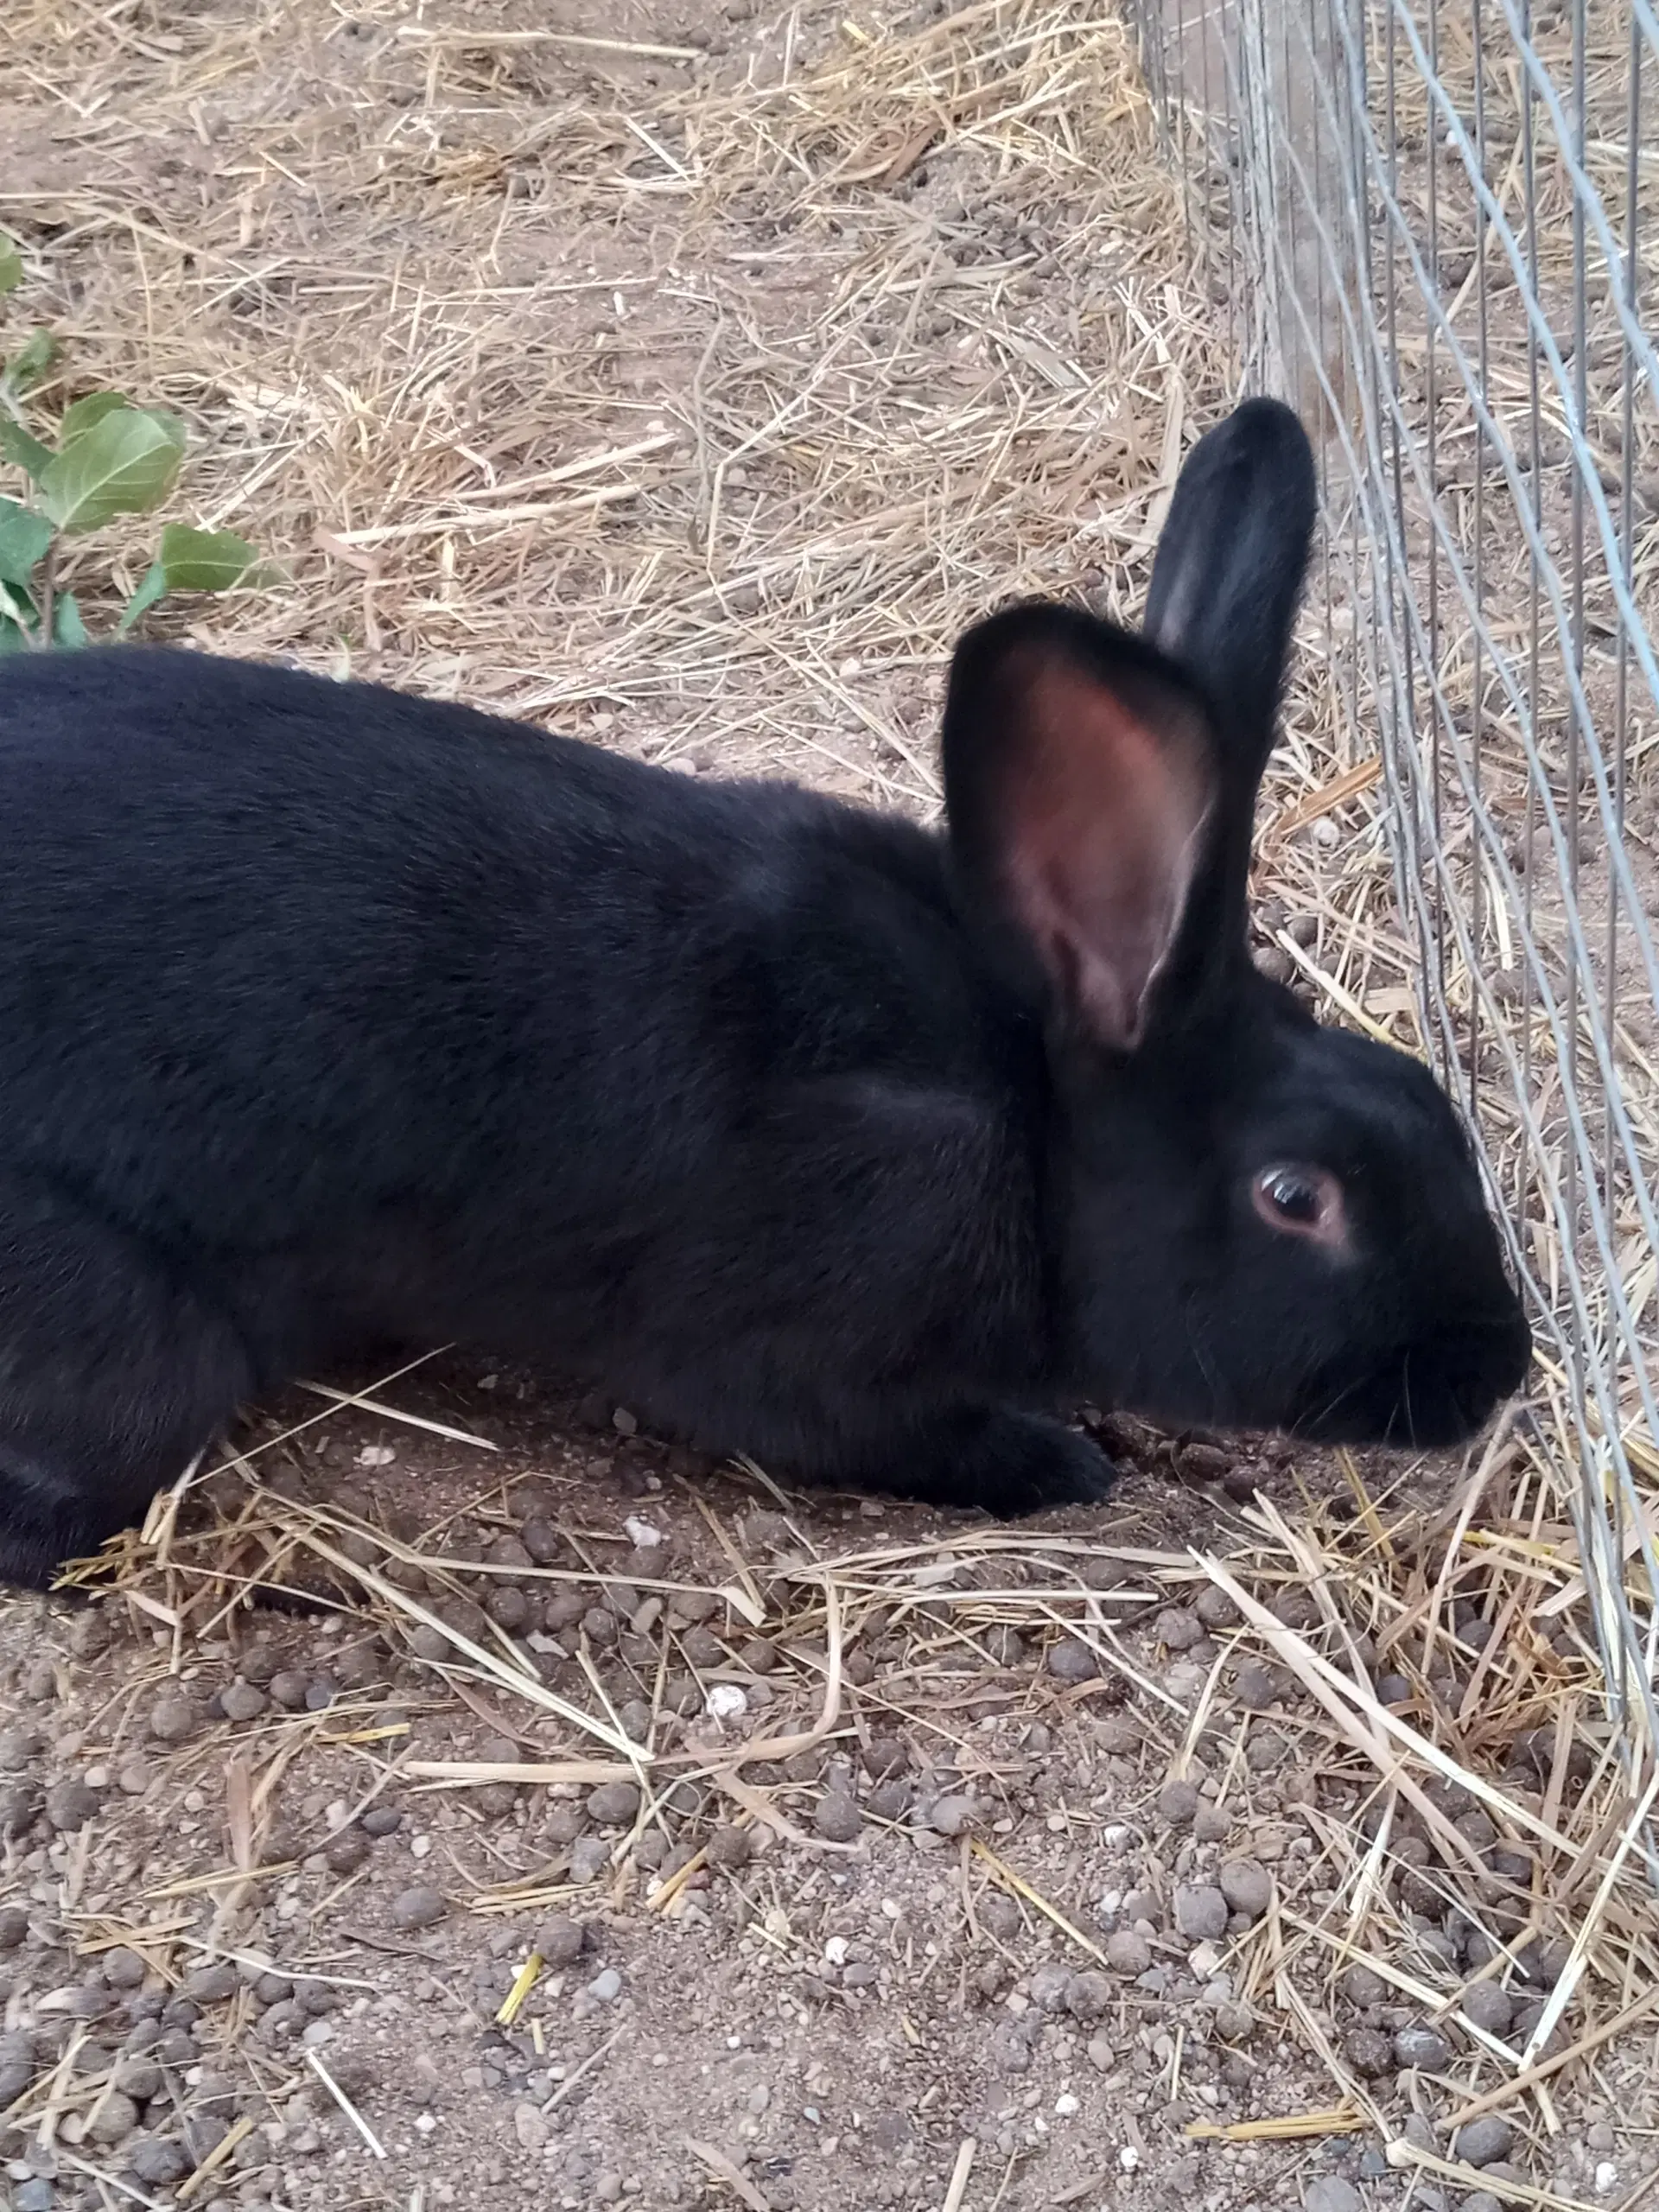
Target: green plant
(103, 457)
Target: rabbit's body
(331, 1016)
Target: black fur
(329, 1016)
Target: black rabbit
(331, 1016)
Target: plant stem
(48, 560)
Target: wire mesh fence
(1435, 223)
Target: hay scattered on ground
(696, 417)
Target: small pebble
(20, 1807)
(885, 1757)
(531, 2130)
(241, 1701)
(1247, 1886)
(212, 1984)
(1489, 2006)
(173, 1719)
(541, 1540)
(382, 1819)
(1368, 2050)
(1176, 1803)
(605, 1986)
(288, 1689)
(114, 2118)
(1177, 1629)
(1483, 2140)
(1424, 2048)
(999, 1914)
(1331, 2193)
(1128, 1952)
(18, 1747)
(1049, 1987)
(837, 1817)
(1362, 1987)
(141, 2079)
(1206, 1463)
(14, 1927)
(562, 1824)
(36, 2194)
(1253, 1686)
(1479, 2200)
(1200, 1911)
(560, 1940)
(614, 1805)
(1215, 1608)
(70, 1804)
(124, 1969)
(730, 1847)
(418, 1908)
(158, 2162)
(1070, 1660)
(953, 1814)
(346, 1851)
(1211, 1823)
(589, 1856)
(508, 1607)
(1088, 1995)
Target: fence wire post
(1444, 227)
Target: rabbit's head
(1257, 1222)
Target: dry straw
(898, 324)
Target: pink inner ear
(1107, 797)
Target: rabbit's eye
(1304, 1201)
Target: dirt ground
(833, 2013)
(466, 1800)
(993, 1925)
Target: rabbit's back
(338, 992)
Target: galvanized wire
(1437, 229)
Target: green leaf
(67, 629)
(17, 607)
(11, 265)
(82, 415)
(126, 464)
(152, 586)
(23, 540)
(20, 449)
(31, 360)
(204, 560)
(12, 639)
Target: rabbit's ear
(1079, 778)
(1228, 573)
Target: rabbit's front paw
(1005, 1464)
(1029, 1464)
